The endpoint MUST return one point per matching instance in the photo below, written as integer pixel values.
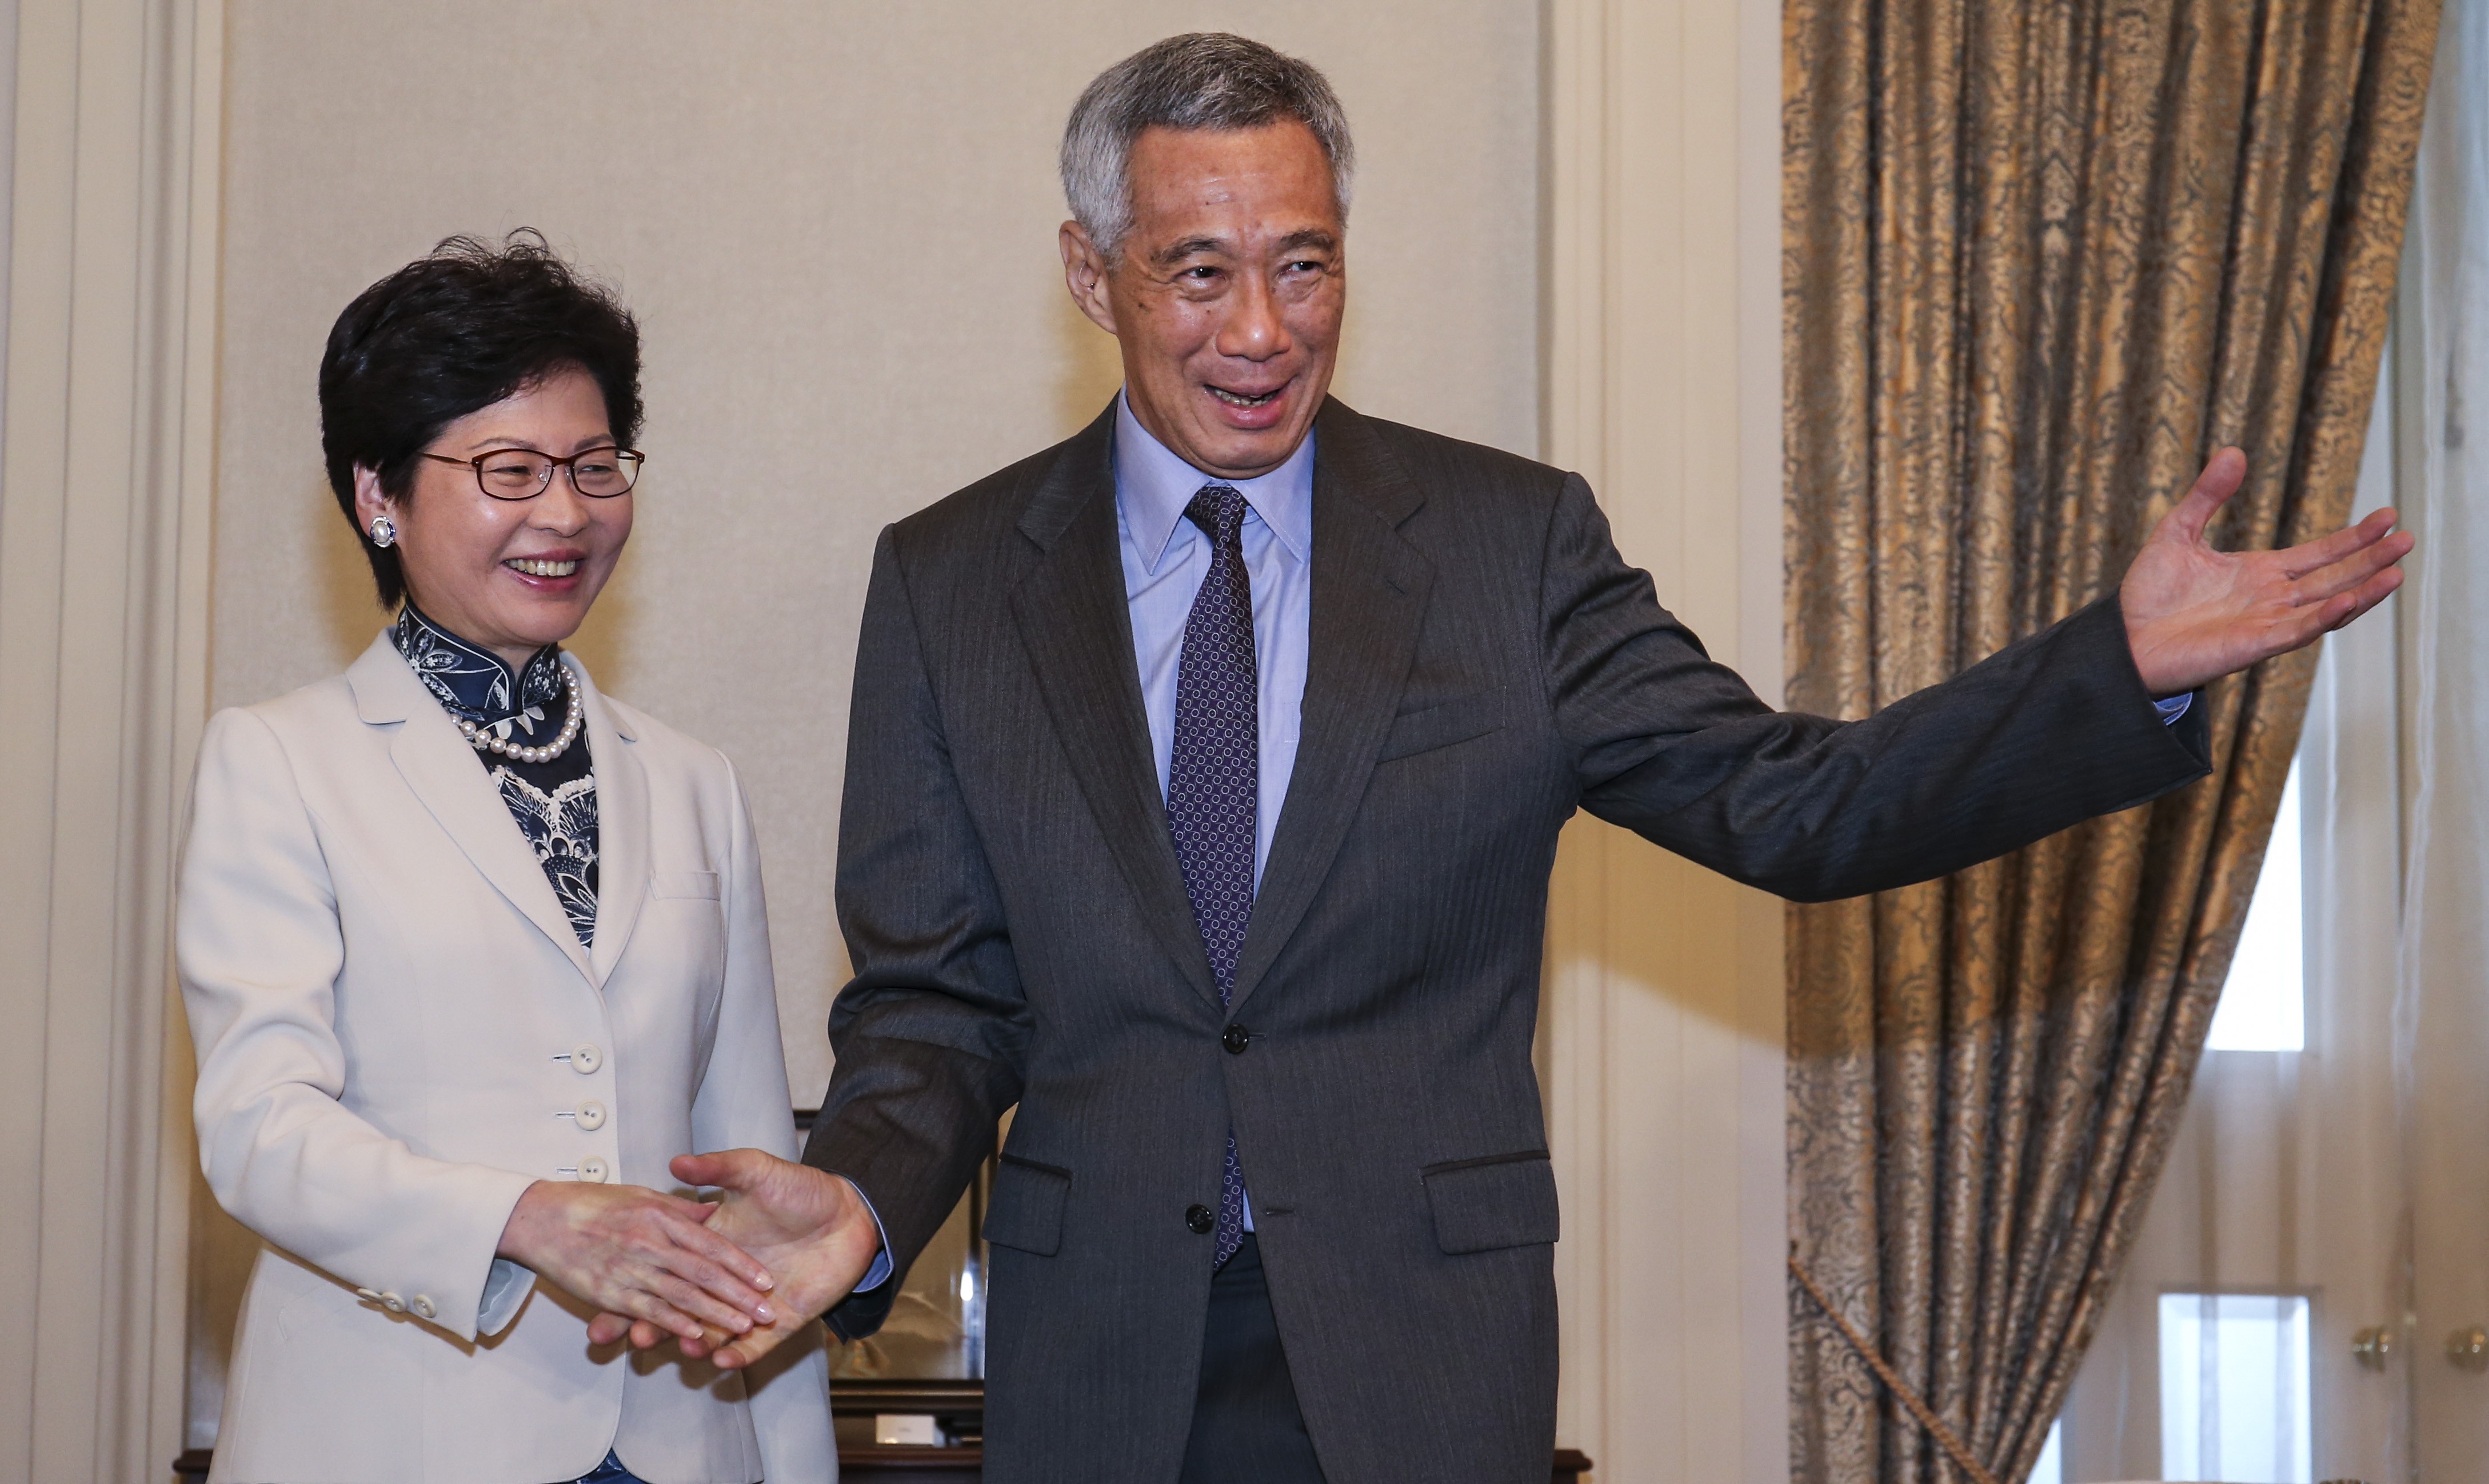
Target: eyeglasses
(523, 474)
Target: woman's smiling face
(511, 575)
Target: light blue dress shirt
(1166, 556)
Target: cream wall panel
(109, 309)
(837, 225)
(1661, 1041)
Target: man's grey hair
(1203, 80)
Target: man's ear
(369, 501)
(1084, 273)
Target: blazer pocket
(1027, 1209)
(1459, 720)
(1499, 1201)
(698, 884)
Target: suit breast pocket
(1499, 1200)
(694, 885)
(1027, 1209)
(1462, 718)
(682, 932)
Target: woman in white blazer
(470, 951)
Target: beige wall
(837, 225)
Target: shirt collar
(471, 682)
(1154, 485)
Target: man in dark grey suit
(1204, 780)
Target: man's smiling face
(1227, 295)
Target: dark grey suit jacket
(1483, 664)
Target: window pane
(2051, 1467)
(2235, 1393)
(2264, 1004)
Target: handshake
(728, 1280)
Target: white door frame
(104, 495)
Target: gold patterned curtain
(2042, 258)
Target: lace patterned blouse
(554, 803)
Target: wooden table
(966, 1465)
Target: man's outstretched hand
(810, 1229)
(2193, 614)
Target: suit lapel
(621, 829)
(1370, 588)
(441, 768)
(1077, 629)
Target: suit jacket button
(587, 1059)
(1200, 1219)
(1235, 1039)
(423, 1306)
(368, 1294)
(593, 1170)
(592, 1115)
(393, 1303)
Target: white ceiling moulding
(104, 490)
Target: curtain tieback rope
(1901, 1390)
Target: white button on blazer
(391, 1014)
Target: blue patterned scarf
(553, 803)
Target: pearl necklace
(482, 739)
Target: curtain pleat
(2041, 258)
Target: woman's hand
(631, 1250)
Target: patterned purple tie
(1213, 780)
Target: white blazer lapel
(443, 770)
(621, 829)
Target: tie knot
(1219, 511)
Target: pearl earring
(384, 531)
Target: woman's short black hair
(452, 334)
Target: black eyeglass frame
(631, 459)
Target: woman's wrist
(519, 1234)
